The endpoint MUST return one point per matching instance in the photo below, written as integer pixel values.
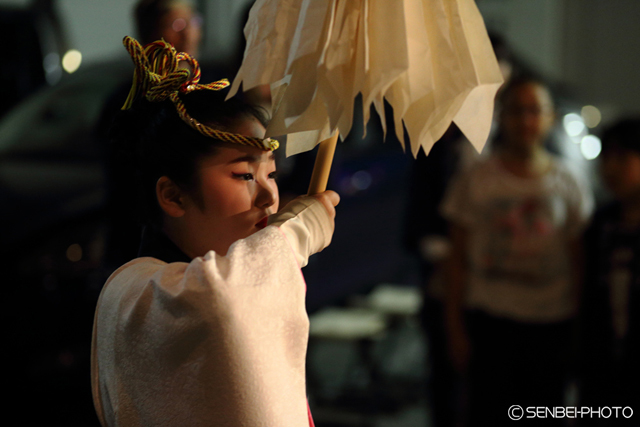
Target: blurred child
(611, 321)
(516, 218)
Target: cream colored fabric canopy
(431, 60)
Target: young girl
(208, 326)
(516, 220)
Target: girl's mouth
(262, 223)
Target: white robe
(220, 341)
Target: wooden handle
(322, 166)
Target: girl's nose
(267, 194)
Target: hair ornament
(158, 76)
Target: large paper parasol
(431, 60)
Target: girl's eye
(244, 176)
(273, 175)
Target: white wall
(602, 53)
(532, 28)
(19, 3)
(224, 25)
(592, 46)
(96, 27)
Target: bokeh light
(71, 60)
(51, 61)
(590, 146)
(573, 124)
(361, 180)
(591, 116)
(74, 252)
(179, 25)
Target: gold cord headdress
(158, 77)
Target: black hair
(150, 141)
(624, 133)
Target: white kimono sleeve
(220, 341)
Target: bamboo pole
(322, 166)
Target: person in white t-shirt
(208, 326)
(513, 273)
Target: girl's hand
(308, 223)
(330, 200)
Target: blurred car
(52, 201)
(18, 27)
(50, 156)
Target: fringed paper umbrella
(431, 60)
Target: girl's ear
(170, 197)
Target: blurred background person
(177, 22)
(610, 347)
(516, 218)
(426, 237)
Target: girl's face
(527, 116)
(620, 170)
(237, 192)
